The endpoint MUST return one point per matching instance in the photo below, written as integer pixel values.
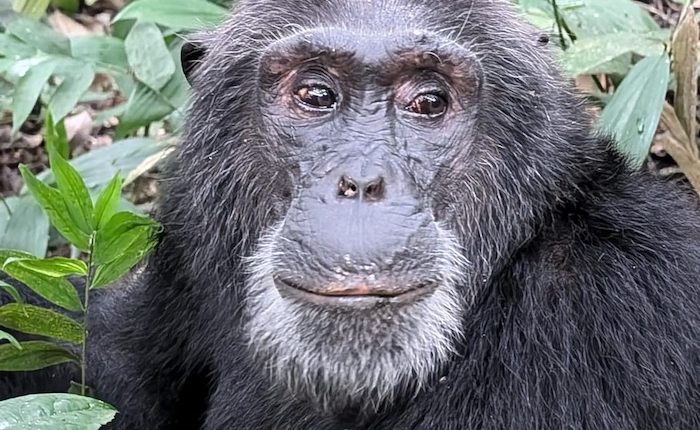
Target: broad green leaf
(13, 48)
(146, 105)
(55, 135)
(31, 8)
(634, 110)
(148, 55)
(54, 412)
(53, 203)
(56, 290)
(34, 355)
(591, 55)
(74, 191)
(11, 291)
(27, 229)
(28, 90)
(103, 51)
(40, 321)
(108, 201)
(115, 269)
(8, 337)
(55, 267)
(38, 35)
(594, 17)
(175, 14)
(74, 85)
(124, 233)
(13, 254)
(68, 5)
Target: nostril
(347, 188)
(375, 190)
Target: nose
(369, 190)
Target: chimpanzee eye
(316, 96)
(430, 104)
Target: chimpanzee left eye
(429, 104)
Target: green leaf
(53, 203)
(115, 269)
(125, 233)
(146, 105)
(28, 90)
(74, 192)
(148, 55)
(55, 267)
(175, 14)
(38, 35)
(56, 290)
(634, 110)
(103, 51)
(74, 85)
(34, 355)
(31, 8)
(591, 55)
(14, 49)
(27, 228)
(55, 135)
(11, 291)
(12, 254)
(8, 337)
(55, 412)
(42, 322)
(108, 201)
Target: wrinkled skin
(395, 214)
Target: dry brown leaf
(684, 52)
(66, 25)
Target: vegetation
(636, 61)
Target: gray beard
(339, 358)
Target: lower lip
(353, 301)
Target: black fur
(584, 274)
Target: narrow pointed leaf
(74, 192)
(55, 207)
(27, 92)
(175, 14)
(635, 109)
(56, 267)
(108, 201)
(55, 135)
(8, 337)
(40, 321)
(55, 412)
(125, 233)
(115, 269)
(75, 84)
(34, 355)
(56, 290)
(11, 291)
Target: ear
(191, 56)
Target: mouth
(361, 295)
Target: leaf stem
(86, 303)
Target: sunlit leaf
(56, 290)
(55, 412)
(8, 337)
(55, 267)
(125, 233)
(40, 321)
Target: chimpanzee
(397, 214)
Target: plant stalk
(86, 303)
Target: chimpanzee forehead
(387, 53)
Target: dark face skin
(361, 124)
